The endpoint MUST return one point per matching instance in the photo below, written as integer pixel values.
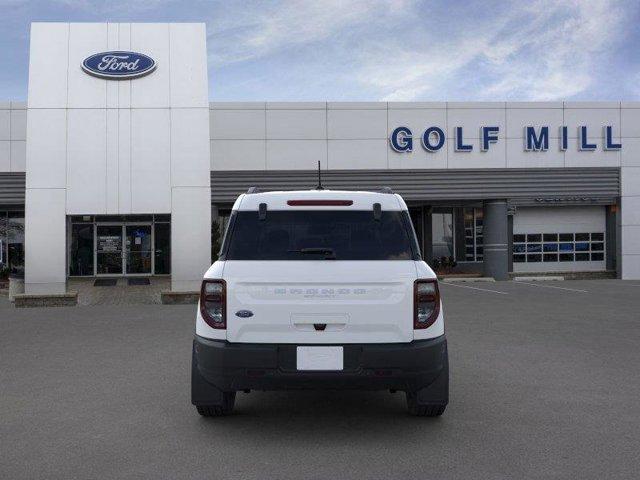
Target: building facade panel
(151, 160)
(296, 124)
(82, 90)
(152, 91)
(356, 154)
(5, 156)
(236, 124)
(238, 155)
(47, 148)
(86, 179)
(365, 124)
(48, 62)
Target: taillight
(426, 303)
(213, 303)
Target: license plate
(320, 358)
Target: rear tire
(420, 410)
(225, 408)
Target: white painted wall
(630, 213)
(100, 146)
(560, 220)
(13, 136)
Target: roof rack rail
(385, 190)
(253, 190)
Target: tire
(418, 410)
(228, 401)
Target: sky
(377, 50)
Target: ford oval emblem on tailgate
(244, 313)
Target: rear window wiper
(329, 253)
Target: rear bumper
(401, 366)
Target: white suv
(320, 289)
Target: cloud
(264, 28)
(408, 50)
(545, 51)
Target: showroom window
(11, 242)
(442, 229)
(558, 247)
(473, 219)
(120, 245)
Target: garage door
(559, 239)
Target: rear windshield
(318, 235)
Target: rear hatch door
(320, 301)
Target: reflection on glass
(81, 251)
(442, 232)
(109, 249)
(15, 241)
(163, 248)
(138, 244)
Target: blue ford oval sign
(118, 65)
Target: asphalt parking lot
(545, 383)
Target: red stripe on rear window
(319, 203)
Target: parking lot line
(474, 288)
(551, 286)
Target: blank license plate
(320, 358)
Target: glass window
(469, 237)
(473, 219)
(442, 234)
(15, 242)
(534, 258)
(567, 250)
(81, 251)
(109, 249)
(4, 267)
(162, 248)
(519, 258)
(582, 247)
(566, 247)
(317, 235)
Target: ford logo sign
(118, 65)
(244, 313)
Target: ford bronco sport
(320, 289)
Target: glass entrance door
(139, 249)
(109, 250)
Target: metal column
(496, 254)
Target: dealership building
(118, 165)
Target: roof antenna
(319, 187)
